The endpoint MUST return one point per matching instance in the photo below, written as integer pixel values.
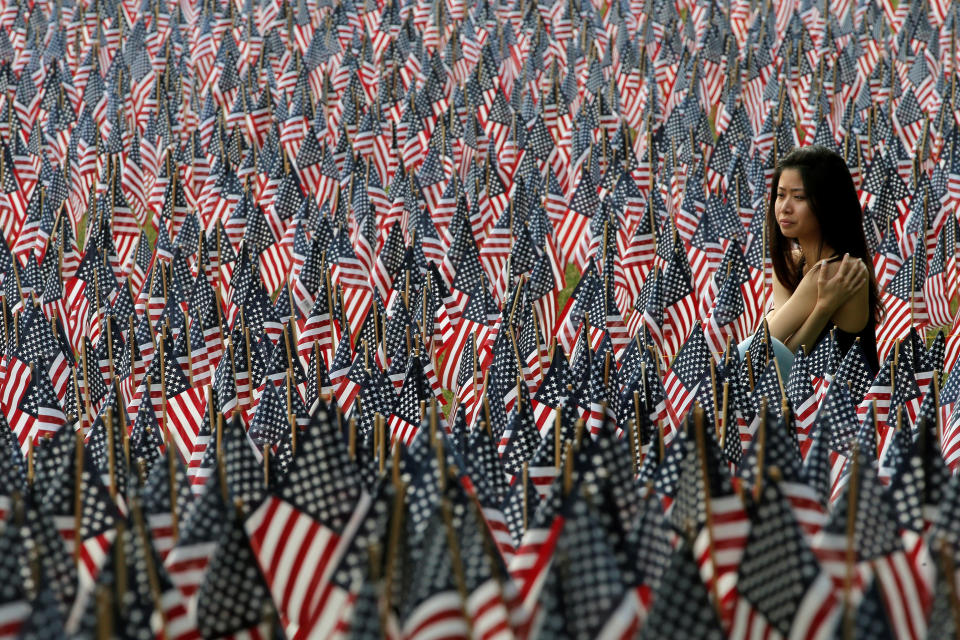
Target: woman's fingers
(852, 269)
(857, 276)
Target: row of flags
(419, 319)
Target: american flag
(308, 517)
(803, 401)
(778, 592)
(685, 375)
(232, 572)
(683, 604)
(341, 174)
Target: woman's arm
(791, 310)
(810, 328)
(853, 310)
(841, 295)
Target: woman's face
(792, 209)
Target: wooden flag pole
(246, 340)
(893, 367)
(486, 403)
(77, 495)
(319, 363)
(536, 331)
(291, 418)
(352, 438)
(568, 469)
(525, 478)
(120, 561)
(516, 350)
(396, 530)
(266, 465)
(761, 448)
(186, 342)
(850, 552)
(437, 445)
(382, 438)
(713, 394)
(557, 424)
(698, 426)
(636, 438)
(104, 613)
(171, 460)
(111, 455)
(86, 380)
(950, 577)
(936, 406)
(152, 578)
(723, 413)
(30, 468)
(473, 379)
(453, 545)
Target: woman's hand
(846, 280)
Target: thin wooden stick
(376, 436)
(111, 455)
(557, 424)
(113, 372)
(453, 544)
(86, 380)
(950, 576)
(936, 408)
(761, 447)
(396, 529)
(152, 577)
(568, 469)
(635, 437)
(850, 553)
(77, 495)
(104, 613)
(698, 425)
(525, 478)
(221, 466)
(723, 424)
(536, 330)
(383, 443)
(120, 561)
(291, 418)
(171, 460)
(246, 339)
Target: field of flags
(291, 346)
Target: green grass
(81, 230)
(571, 277)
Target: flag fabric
(244, 249)
(685, 375)
(307, 518)
(781, 594)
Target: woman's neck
(813, 250)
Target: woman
(823, 276)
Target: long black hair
(833, 199)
